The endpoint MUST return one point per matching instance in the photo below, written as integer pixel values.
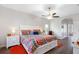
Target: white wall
(11, 18)
(56, 24)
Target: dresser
(75, 50)
(12, 40)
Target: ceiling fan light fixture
(49, 17)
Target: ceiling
(41, 9)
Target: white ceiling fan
(51, 14)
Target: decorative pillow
(39, 40)
(8, 34)
(31, 33)
(37, 31)
(11, 34)
(25, 32)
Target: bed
(34, 42)
(41, 47)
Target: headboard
(24, 28)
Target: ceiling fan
(51, 14)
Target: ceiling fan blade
(54, 14)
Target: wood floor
(4, 50)
(65, 49)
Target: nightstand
(12, 40)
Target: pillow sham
(25, 32)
